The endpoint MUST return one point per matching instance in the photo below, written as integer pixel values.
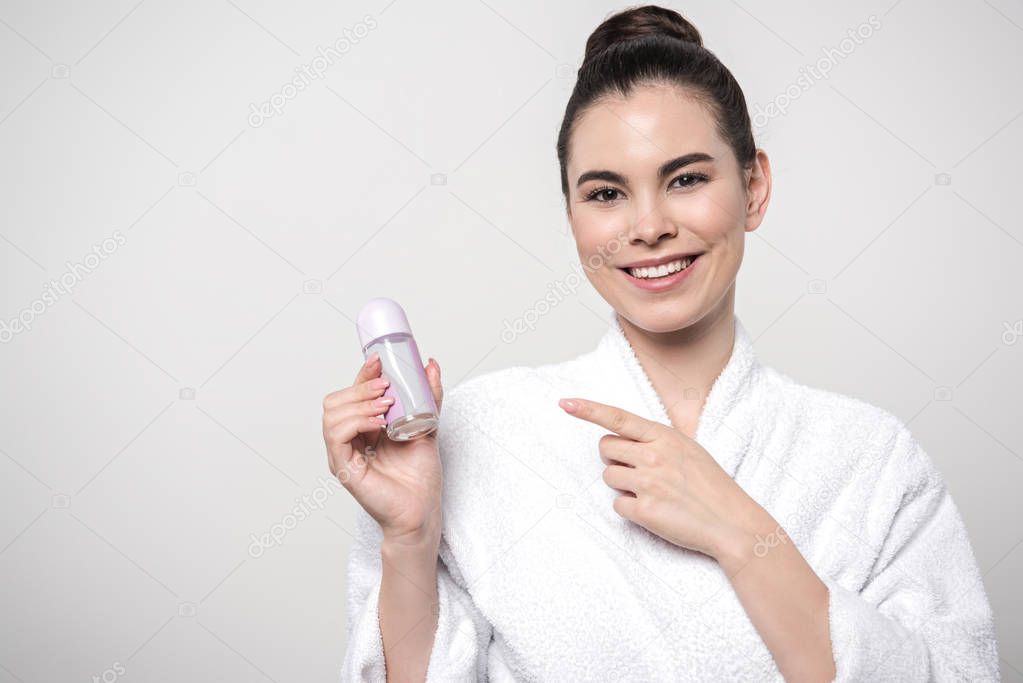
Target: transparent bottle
(383, 327)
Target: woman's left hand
(670, 484)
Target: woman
(662, 507)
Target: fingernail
(380, 383)
(568, 404)
(372, 358)
(384, 401)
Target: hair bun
(639, 22)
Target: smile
(661, 270)
(661, 277)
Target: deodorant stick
(383, 328)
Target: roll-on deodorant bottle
(383, 328)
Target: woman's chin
(665, 316)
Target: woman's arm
(679, 492)
(921, 615)
(408, 607)
(385, 632)
(783, 597)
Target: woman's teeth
(661, 270)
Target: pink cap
(379, 317)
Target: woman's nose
(650, 224)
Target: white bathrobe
(541, 580)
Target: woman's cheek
(598, 240)
(711, 216)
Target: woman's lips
(660, 284)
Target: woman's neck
(682, 365)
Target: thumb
(433, 377)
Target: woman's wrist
(407, 551)
(742, 543)
(423, 542)
(420, 540)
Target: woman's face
(650, 179)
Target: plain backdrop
(219, 228)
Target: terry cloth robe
(539, 579)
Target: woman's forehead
(646, 128)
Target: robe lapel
(725, 426)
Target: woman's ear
(758, 190)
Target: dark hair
(651, 44)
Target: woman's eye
(603, 195)
(689, 179)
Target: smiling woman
(748, 527)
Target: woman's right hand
(398, 483)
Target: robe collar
(726, 423)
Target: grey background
(169, 409)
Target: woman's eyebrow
(666, 169)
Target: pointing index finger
(369, 369)
(619, 421)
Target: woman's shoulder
(863, 436)
(520, 384)
(497, 432)
(510, 405)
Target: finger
(337, 435)
(357, 392)
(376, 406)
(433, 377)
(625, 505)
(619, 421)
(623, 478)
(617, 450)
(370, 368)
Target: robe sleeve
(923, 614)
(460, 645)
